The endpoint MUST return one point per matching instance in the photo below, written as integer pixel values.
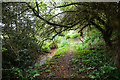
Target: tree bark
(117, 58)
(117, 43)
(116, 47)
(107, 40)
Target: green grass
(61, 51)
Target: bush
(68, 36)
(63, 47)
(75, 35)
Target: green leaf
(47, 70)
(80, 70)
(36, 75)
(52, 74)
(92, 76)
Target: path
(45, 57)
(62, 69)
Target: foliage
(93, 41)
(72, 34)
(92, 58)
(74, 75)
(59, 39)
(23, 73)
(46, 45)
(52, 74)
(20, 46)
(95, 64)
(62, 48)
(30, 73)
(33, 71)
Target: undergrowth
(34, 71)
(62, 48)
(93, 61)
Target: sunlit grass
(61, 51)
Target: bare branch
(58, 33)
(83, 28)
(37, 8)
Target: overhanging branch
(97, 26)
(37, 8)
(47, 21)
(82, 29)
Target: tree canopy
(85, 14)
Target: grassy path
(62, 69)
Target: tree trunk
(117, 58)
(107, 40)
(116, 48)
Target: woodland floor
(62, 67)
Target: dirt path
(62, 69)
